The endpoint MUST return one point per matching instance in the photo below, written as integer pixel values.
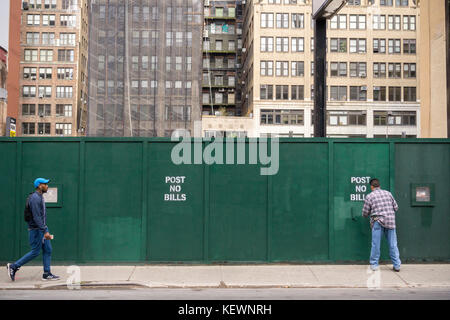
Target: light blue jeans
(391, 236)
(37, 243)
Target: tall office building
(48, 46)
(222, 50)
(145, 67)
(372, 68)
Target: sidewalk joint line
(309, 268)
(132, 273)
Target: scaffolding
(145, 67)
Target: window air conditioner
(364, 88)
(363, 75)
(41, 95)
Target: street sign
(325, 9)
(10, 127)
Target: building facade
(434, 66)
(372, 68)
(222, 48)
(145, 67)
(49, 62)
(3, 91)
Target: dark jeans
(37, 241)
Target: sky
(4, 23)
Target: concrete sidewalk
(238, 276)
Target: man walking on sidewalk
(38, 234)
(381, 206)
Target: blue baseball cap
(38, 181)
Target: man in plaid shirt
(381, 206)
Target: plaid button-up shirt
(381, 206)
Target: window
(409, 23)
(394, 22)
(48, 20)
(354, 2)
(395, 70)
(346, 118)
(154, 62)
(144, 62)
(67, 39)
(65, 55)
(394, 46)
(31, 55)
(338, 45)
(68, 20)
(379, 22)
(282, 117)
(44, 128)
(297, 92)
(282, 20)
(357, 22)
(28, 91)
(339, 22)
(46, 55)
(168, 63)
(395, 93)
(298, 20)
(379, 45)
(298, 44)
(266, 20)
(219, 45)
(338, 93)
(29, 73)
(282, 92)
(44, 110)
(358, 93)
(357, 45)
(379, 93)
(282, 69)
(399, 118)
(32, 37)
(67, 92)
(266, 92)
(63, 129)
(282, 44)
(28, 109)
(298, 68)
(65, 73)
(64, 110)
(379, 70)
(401, 3)
(178, 113)
(266, 68)
(409, 46)
(169, 39)
(386, 3)
(28, 128)
(409, 94)
(33, 19)
(48, 38)
(45, 73)
(358, 69)
(409, 70)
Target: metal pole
(320, 34)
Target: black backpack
(27, 214)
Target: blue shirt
(37, 206)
